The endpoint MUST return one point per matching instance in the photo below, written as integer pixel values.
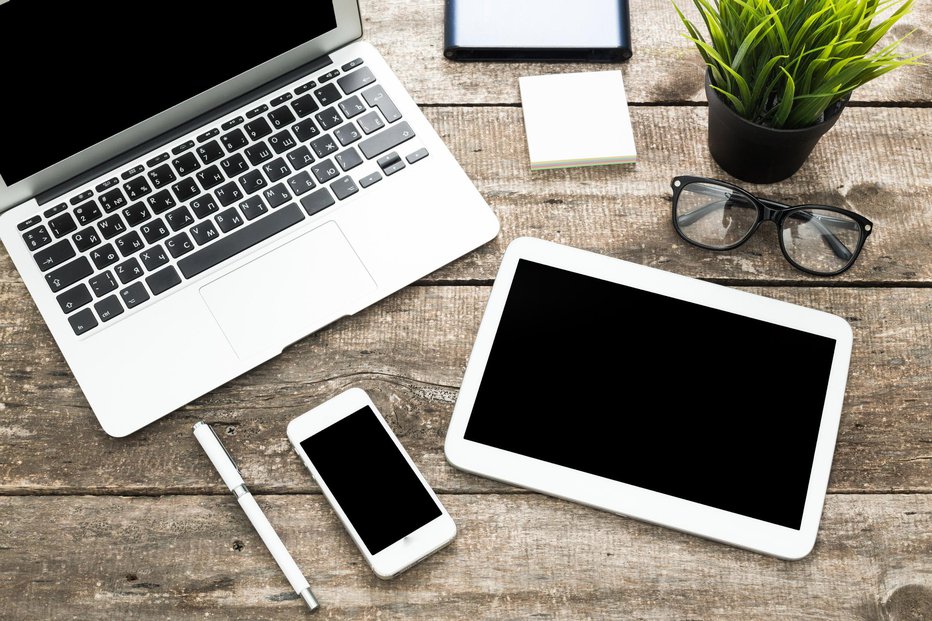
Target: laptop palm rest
(288, 293)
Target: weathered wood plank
(875, 161)
(410, 352)
(665, 67)
(514, 557)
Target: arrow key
(73, 299)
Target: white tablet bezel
(628, 500)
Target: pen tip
(309, 599)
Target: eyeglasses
(817, 239)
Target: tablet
(655, 396)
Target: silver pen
(223, 462)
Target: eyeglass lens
(714, 215)
(820, 240)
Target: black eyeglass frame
(772, 211)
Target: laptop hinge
(172, 134)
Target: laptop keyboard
(126, 241)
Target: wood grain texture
(515, 557)
(410, 353)
(665, 67)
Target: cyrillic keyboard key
(347, 134)
(210, 177)
(154, 231)
(136, 214)
(128, 271)
(348, 159)
(386, 139)
(234, 165)
(210, 152)
(276, 169)
(352, 82)
(109, 308)
(104, 256)
(253, 181)
(160, 202)
(73, 299)
(258, 153)
(54, 255)
(241, 240)
(179, 245)
(377, 98)
(277, 195)
(203, 232)
(203, 206)
(300, 158)
(228, 194)
(134, 295)
(179, 219)
(324, 170)
(112, 226)
(129, 244)
(162, 281)
(317, 201)
(86, 239)
(329, 118)
(305, 130)
(234, 140)
(253, 207)
(352, 107)
(371, 122)
(324, 146)
(154, 258)
(282, 141)
(185, 190)
(301, 183)
(112, 200)
(186, 164)
(229, 220)
(83, 322)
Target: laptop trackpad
(288, 293)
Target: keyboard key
(54, 255)
(73, 299)
(186, 164)
(87, 213)
(136, 188)
(252, 207)
(324, 171)
(154, 258)
(282, 141)
(183, 147)
(229, 220)
(234, 166)
(344, 187)
(371, 122)
(280, 99)
(352, 107)
(129, 244)
(377, 98)
(158, 159)
(253, 181)
(281, 117)
(210, 177)
(324, 146)
(370, 180)
(232, 123)
(102, 284)
(112, 200)
(128, 271)
(348, 159)
(258, 129)
(417, 156)
(391, 170)
(104, 256)
(305, 130)
(136, 214)
(154, 231)
(347, 134)
(162, 201)
(68, 274)
(203, 232)
(86, 239)
(210, 152)
(329, 118)
(305, 105)
(83, 322)
(234, 140)
(329, 75)
(22, 226)
(317, 201)
(300, 158)
(203, 206)
(37, 237)
(109, 308)
(301, 183)
(386, 139)
(179, 219)
(351, 64)
(305, 87)
(352, 82)
(327, 94)
(80, 198)
(162, 176)
(387, 160)
(106, 185)
(62, 225)
(132, 172)
(162, 281)
(276, 169)
(256, 112)
(179, 245)
(57, 209)
(112, 226)
(276, 195)
(258, 153)
(134, 295)
(185, 190)
(241, 240)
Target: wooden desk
(97, 528)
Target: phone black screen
(370, 479)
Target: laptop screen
(76, 73)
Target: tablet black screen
(667, 395)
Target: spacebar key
(386, 139)
(241, 240)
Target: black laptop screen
(75, 73)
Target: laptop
(186, 193)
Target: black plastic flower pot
(755, 153)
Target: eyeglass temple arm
(840, 250)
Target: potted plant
(781, 71)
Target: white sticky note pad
(562, 129)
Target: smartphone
(370, 481)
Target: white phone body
(378, 527)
